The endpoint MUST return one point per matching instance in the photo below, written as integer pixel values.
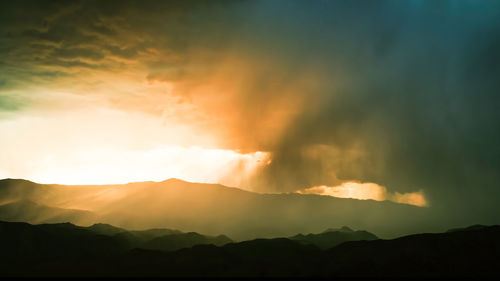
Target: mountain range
(147, 229)
(206, 208)
(103, 250)
(333, 237)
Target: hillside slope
(213, 209)
(62, 250)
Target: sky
(394, 100)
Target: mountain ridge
(68, 250)
(215, 209)
(333, 237)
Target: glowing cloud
(195, 164)
(102, 146)
(365, 191)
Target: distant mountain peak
(345, 228)
(342, 229)
(174, 180)
(105, 229)
(60, 224)
(469, 228)
(333, 237)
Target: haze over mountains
(27, 210)
(333, 237)
(205, 208)
(191, 229)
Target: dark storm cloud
(74, 34)
(400, 93)
(419, 97)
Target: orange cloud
(366, 191)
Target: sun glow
(112, 147)
(195, 164)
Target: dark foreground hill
(24, 246)
(68, 250)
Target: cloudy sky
(395, 100)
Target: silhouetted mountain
(184, 240)
(157, 239)
(153, 233)
(466, 253)
(470, 252)
(24, 243)
(472, 227)
(26, 210)
(342, 229)
(213, 209)
(105, 229)
(69, 250)
(333, 237)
